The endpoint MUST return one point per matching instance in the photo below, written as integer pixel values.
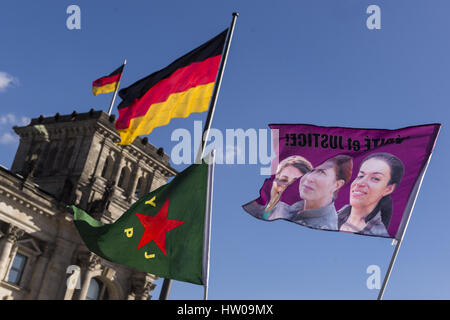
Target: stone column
(147, 187)
(13, 234)
(141, 285)
(39, 271)
(136, 174)
(118, 165)
(102, 155)
(156, 181)
(92, 266)
(147, 289)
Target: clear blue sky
(290, 62)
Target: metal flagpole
(404, 224)
(208, 216)
(168, 282)
(164, 294)
(215, 94)
(117, 88)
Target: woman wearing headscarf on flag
(288, 171)
(318, 189)
(370, 208)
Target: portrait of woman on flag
(288, 171)
(370, 208)
(318, 189)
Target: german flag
(184, 87)
(108, 83)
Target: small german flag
(107, 83)
(184, 87)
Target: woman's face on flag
(371, 184)
(283, 179)
(319, 184)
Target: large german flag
(185, 86)
(107, 83)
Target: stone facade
(71, 159)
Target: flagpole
(164, 294)
(167, 283)
(117, 88)
(212, 105)
(216, 89)
(399, 241)
(208, 216)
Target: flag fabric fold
(107, 83)
(162, 233)
(183, 87)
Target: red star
(156, 227)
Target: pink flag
(361, 181)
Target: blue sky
(290, 62)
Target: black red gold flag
(183, 87)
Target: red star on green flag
(156, 227)
(152, 236)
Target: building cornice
(27, 195)
(98, 122)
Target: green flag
(162, 233)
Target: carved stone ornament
(14, 233)
(89, 260)
(141, 285)
(95, 262)
(149, 287)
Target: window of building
(123, 178)
(150, 182)
(139, 187)
(97, 290)
(16, 271)
(94, 290)
(106, 168)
